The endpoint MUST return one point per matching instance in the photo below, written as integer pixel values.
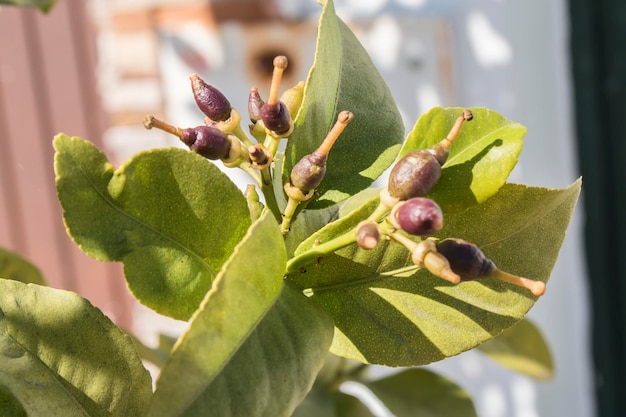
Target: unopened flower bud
(276, 118)
(274, 113)
(308, 173)
(254, 105)
(210, 100)
(207, 141)
(466, 259)
(367, 234)
(293, 98)
(417, 172)
(470, 263)
(258, 156)
(419, 216)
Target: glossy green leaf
(343, 77)
(43, 5)
(254, 346)
(60, 356)
(418, 392)
(522, 349)
(171, 216)
(13, 266)
(388, 312)
(481, 157)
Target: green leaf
(321, 276)
(43, 5)
(481, 157)
(254, 346)
(318, 402)
(343, 77)
(523, 349)
(418, 392)
(13, 266)
(171, 216)
(308, 225)
(379, 299)
(349, 406)
(9, 405)
(61, 356)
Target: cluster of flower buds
(222, 138)
(405, 208)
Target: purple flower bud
(367, 234)
(309, 172)
(255, 103)
(207, 141)
(414, 175)
(210, 100)
(418, 216)
(276, 117)
(466, 259)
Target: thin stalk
(297, 262)
(238, 131)
(270, 200)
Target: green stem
(381, 211)
(270, 200)
(154, 356)
(266, 176)
(310, 256)
(271, 143)
(245, 166)
(238, 131)
(292, 205)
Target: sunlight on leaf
(61, 356)
(481, 157)
(170, 215)
(251, 333)
(343, 77)
(403, 317)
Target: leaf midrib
(53, 375)
(120, 210)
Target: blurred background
(95, 68)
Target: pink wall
(47, 85)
